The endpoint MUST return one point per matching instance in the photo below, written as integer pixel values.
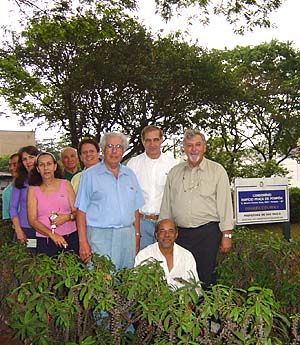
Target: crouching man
(177, 262)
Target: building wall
(12, 141)
(294, 171)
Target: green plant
(7, 231)
(266, 261)
(294, 198)
(63, 301)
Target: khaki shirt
(197, 196)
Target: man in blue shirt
(108, 200)
(12, 167)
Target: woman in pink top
(50, 208)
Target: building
(294, 171)
(12, 141)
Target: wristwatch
(227, 235)
(72, 216)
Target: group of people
(153, 208)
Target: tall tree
(93, 71)
(262, 112)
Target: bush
(294, 197)
(7, 231)
(62, 301)
(266, 261)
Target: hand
(226, 244)
(21, 237)
(61, 219)
(59, 240)
(85, 252)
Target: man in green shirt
(69, 159)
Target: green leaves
(61, 300)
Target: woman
(18, 200)
(50, 207)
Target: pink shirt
(54, 202)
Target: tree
(242, 14)
(4, 163)
(92, 72)
(262, 111)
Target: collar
(202, 166)
(104, 170)
(149, 159)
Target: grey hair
(65, 149)
(190, 133)
(122, 136)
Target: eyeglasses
(193, 185)
(112, 146)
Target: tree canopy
(261, 120)
(99, 71)
(94, 68)
(243, 15)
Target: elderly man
(197, 196)
(176, 261)
(88, 150)
(108, 200)
(151, 169)
(69, 159)
(12, 167)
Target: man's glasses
(112, 146)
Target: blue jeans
(117, 243)
(147, 232)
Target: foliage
(294, 198)
(130, 79)
(54, 146)
(60, 300)
(4, 163)
(243, 15)
(247, 99)
(258, 118)
(265, 261)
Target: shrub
(62, 301)
(266, 261)
(7, 231)
(294, 197)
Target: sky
(218, 34)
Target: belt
(149, 216)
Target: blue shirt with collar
(108, 202)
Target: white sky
(218, 35)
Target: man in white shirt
(151, 169)
(176, 261)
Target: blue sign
(264, 200)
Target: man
(88, 150)
(69, 159)
(151, 169)
(176, 261)
(197, 197)
(108, 200)
(12, 167)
